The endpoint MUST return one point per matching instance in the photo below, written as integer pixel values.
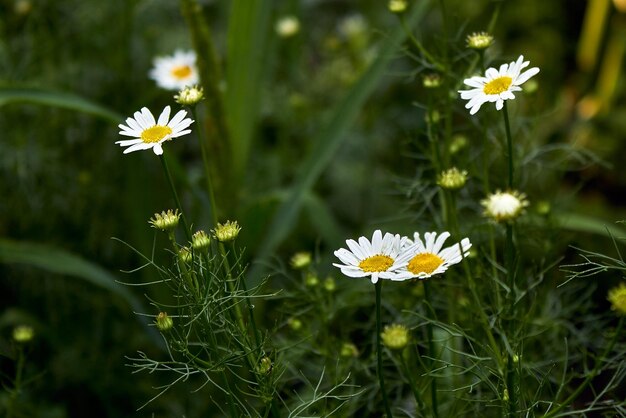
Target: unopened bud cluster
(226, 232)
(479, 40)
(166, 220)
(452, 179)
(189, 96)
(395, 337)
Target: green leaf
(248, 32)
(330, 138)
(56, 99)
(61, 262)
(585, 223)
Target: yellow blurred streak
(591, 37)
(611, 68)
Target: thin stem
(590, 376)
(509, 143)
(203, 140)
(414, 388)
(431, 349)
(175, 195)
(17, 388)
(379, 353)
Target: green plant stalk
(379, 354)
(414, 388)
(175, 195)
(454, 226)
(17, 384)
(590, 376)
(431, 349)
(249, 306)
(208, 64)
(203, 140)
(509, 144)
(512, 375)
(419, 45)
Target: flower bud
(397, 6)
(479, 40)
(300, 260)
(226, 232)
(395, 337)
(164, 322)
(165, 221)
(23, 333)
(189, 96)
(200, 241)
(452, 179)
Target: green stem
(509, 143)
(379, 354)
(203, 140)
(414, 388)
(175, 195)
(17, 388)
(431, 349)
(454, 226)
(590, 376)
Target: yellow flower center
(498, 85)
(181, 71)
(376, 263)
(424, 263)
(155, 134)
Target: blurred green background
(66, 187)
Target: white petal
(178, 117)
(127, 142)
(148, 116)
(441, 239)
(377, 241)
(181, 133)
(375, 277)
(499, 104)
(164, 117)
(356, 249)
(347, 257)
(492, 73)
(158, 149)
(526, 75)
(137, 147)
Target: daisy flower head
(427, 258)
(497, 85)
(175, 72)
(149, 133)
(380, 258)
(504, 206)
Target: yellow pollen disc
(155, 134)
(181, 71)
(424, 263)
(498, 85)
(376, 263)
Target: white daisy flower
(426, 258)
(497, 85)
(381, 258)
(504, 206)
(148, 133)
(175, 72)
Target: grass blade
(57, 99)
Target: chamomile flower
(149, 133)
(426, 258)
(379, 258)
(497, 85)
(174, 72)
